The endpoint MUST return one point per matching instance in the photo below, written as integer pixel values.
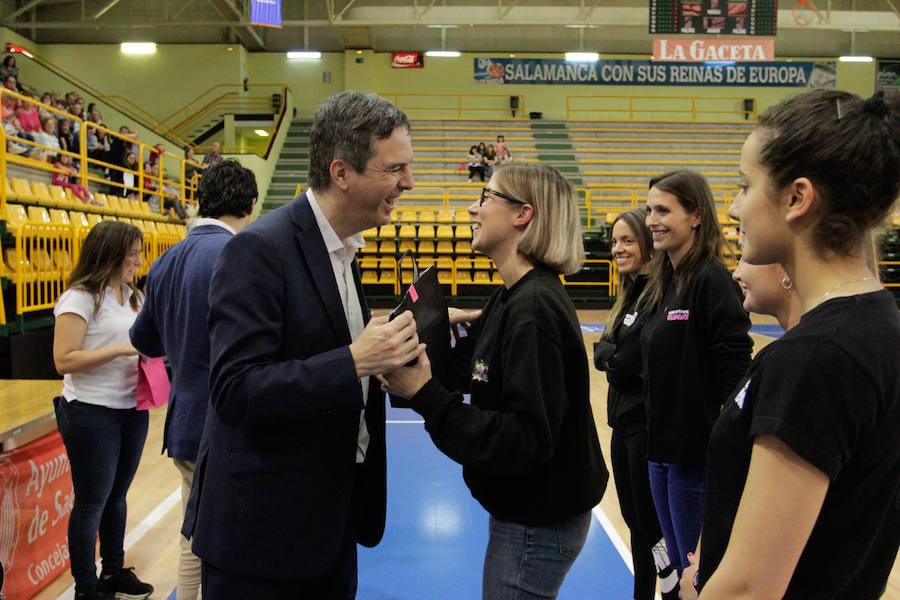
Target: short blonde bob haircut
(553, 237)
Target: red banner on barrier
(36, 498)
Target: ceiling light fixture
(138, 47)
(582, 57)
(261, 132)
(304, 54)
(443, 52)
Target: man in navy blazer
(172, 323)
(291, 473)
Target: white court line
(138, 532)
(613, 536)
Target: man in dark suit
(291, 472)
(172, 323)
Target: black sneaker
(124, 584)
(99, 593)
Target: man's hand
(386, 345)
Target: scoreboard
(731, 17)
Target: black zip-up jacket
(696, 349)
(619, 354)
(527, 441)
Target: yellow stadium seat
(38, 215)
(78, 219)
(426, 232)
(407, 245)
(426, 216)
(407, 232)
(426, 247)
(445, 276)
(462, 216)
(387, 277)
(463, 277)
(444, 232)
(59, 216)
(387, 232)
(407, 216)
(444, 247)
(371, 247)
(61, 259)
(369, 234)
(18, 265)
(15, 217)
(444, 216)
(387, 247)
(369, 277)
(463, 232)
(10, 193)
(93, 219)
(464, 247)
(113, 205)
(22, 190)
(56, 194)
(482, 277)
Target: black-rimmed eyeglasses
(485, 191)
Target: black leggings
(628, 453)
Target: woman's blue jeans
(524, 562)
(104, 447)
(678, 496)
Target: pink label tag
(413, 294)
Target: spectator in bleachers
(214, 156)
(503, 155)
(475, 164)
(168, 194)
(490, 159)
(125, 175)
(47, 100)
(12, 128)
(120, 146)
(64, 175)
(9, 68)
(29, 119)
(156, 154)
(68, 140)
(190, 165)
(93, 114)
(97, 143)
(47, 137)
(96, 412)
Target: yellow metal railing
(460, 106)
(660, 108)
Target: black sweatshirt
(527, 441)
(696, 349)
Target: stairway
(292, 167)
(554, 145)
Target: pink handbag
(153, 383)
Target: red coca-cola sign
(407, 60)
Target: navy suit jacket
(172, 322)
(277, 482)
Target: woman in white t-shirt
(102, 430)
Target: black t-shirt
(830, 390)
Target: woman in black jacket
(695, 349)
(618, 352)
(527, 441)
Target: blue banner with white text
(265, 12)
(549, 71)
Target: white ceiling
(489, 26)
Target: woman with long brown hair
(102, 430)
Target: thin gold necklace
(825, 296)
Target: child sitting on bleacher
(62, 176)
